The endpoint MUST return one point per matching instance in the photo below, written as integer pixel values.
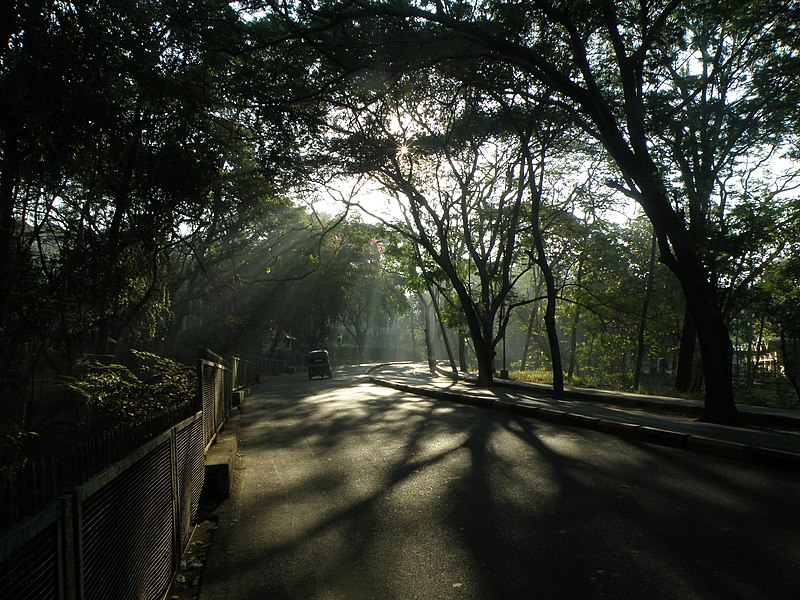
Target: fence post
(177, 550)
(67, 506)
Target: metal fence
(278, 363)
(243, 372)
(216, 392)
(31, 484)
(118, 535)
(119, 508)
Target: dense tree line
(150, 197)
(683, 100)
(159, 162)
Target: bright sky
(332, 201)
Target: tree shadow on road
(352, 491)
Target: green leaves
(127, 394)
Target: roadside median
(637, 418)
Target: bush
(538, 376)
(117, 391)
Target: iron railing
(115, 512)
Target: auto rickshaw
(319, 364)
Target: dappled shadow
(354, 491)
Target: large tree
(458, 170)
(715, 124)
(132, 154)
(604, 61)
(782, 285)
(372, 294)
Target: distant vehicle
(319, 364)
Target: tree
(428, 283)
(124, 160)
(462, 182)
(783, 292)
(727, 122)
(603, 61)
(370, 293)
(536, 153)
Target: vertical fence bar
(30, 558)
(122, 531)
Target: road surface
(348, 490)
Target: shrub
(117, 391)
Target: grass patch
(777, 394)
(607, 382)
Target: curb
(630, 431)
(219, 461)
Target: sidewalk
(772, 437)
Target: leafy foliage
(115, 390)
(159, 161)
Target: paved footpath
(772, 435)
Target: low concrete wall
(219, 462)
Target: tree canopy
(162, 164)
(621, 71)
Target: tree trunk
(528, 335)
(752, 366)
(550, 311)
(716, 354)
(480, 329)
(683, 372)
(462, 352)
(8, 182)
(573, 335)
(549, 280)
(484, 354)
(481, 332)
(442, 330)
(428, 337)
(552, 336)
(361, 342)
(648, 292)
(790, 362)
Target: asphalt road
(348, 490)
